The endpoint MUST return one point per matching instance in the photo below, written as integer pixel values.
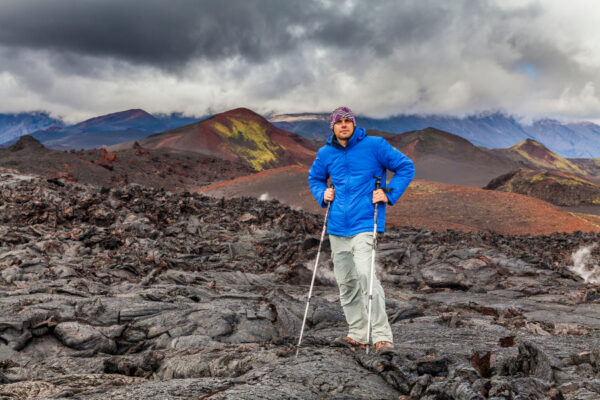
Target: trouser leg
(352, 265)
(363, 251)
(351, 293)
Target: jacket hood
(358, 134)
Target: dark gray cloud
(381, 26)
(152, 31)
(84, 57)
(173, 32)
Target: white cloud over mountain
(78, 59)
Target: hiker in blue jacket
(352, 160)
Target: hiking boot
(383, 347)
(348, 342)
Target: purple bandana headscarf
(339, 113)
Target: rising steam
(264, 197)
(584, 266)
(324, 273)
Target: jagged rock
(532, 361)
(142, 365)
(482, 364)
(84, 337)
(136, 292)
(452, 389)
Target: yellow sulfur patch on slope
(557, 161)
(249, 140)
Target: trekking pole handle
(378, 185)
(329, 186)
(377, 182)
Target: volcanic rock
(135, 292)
(560, 188)
(26, 142)
(169, 169)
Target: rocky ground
(135, 292)
(432, 205)
(173, 170)
(556, 187)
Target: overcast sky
(82, 58)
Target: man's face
(343, 129)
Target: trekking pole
(377, 184)
(312, 282)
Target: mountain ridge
(534, 154)
(107, 129)
(488, 129)
(240, 135)
(556, 187)
(162, 168)
(14, 125)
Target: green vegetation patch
(250, 141)
(566, 181)
(538, 178)
(557, 161)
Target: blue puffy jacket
(352, 170)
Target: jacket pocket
(360, 213)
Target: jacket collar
(357, 135)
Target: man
(352, 160)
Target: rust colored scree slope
(427, 204)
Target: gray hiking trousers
(352, 266)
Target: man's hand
(329, 195)
(379, 196)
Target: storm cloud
(82, 58)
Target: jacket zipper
(346, 192)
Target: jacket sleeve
(402, 166)
(317, 179)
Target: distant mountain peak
(135, 113)
(439, 132)
(26, 142)
(117, 116)
(431, 129)
(242, 112)
(439, 138)
(135, 119)
(14, 125)
(548, 122)
(533, 150)
(539, 155)
(527, 143)
(239, 135)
